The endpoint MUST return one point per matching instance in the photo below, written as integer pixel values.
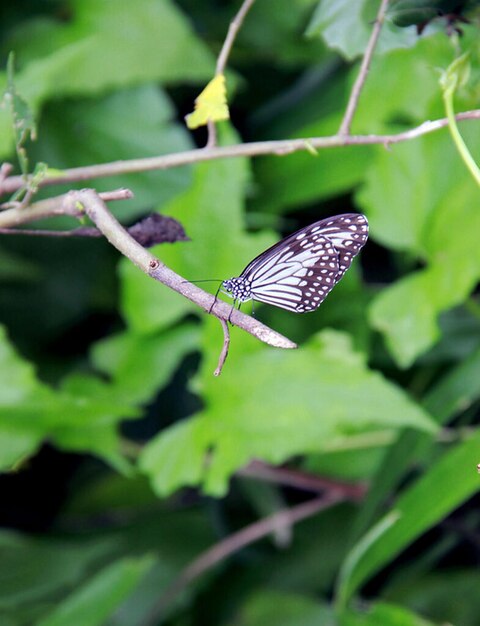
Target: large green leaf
(271, 31)
(34, 568)
(318, 397)
(346, 27)
(31, 412)
(408, 74)
(444, 487)
(97, 599)
(136, 43)
(303, 177)
(18, 384)
(454, 392)
(94, 571)
(434, 216)
(132, 123)
(140, 365)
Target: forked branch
(116, 234)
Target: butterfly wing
(348, 233)
(299, 272)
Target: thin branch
(259, 148)
(223, 549)
(233, 29)
(212, 134)
(226, 345)
(52, 207)
(302, 480)
(75, 232)
(148, 231)
(362, 74)
(97, 211)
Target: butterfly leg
(215, 301)
(232, 309)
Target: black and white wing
(299, 272)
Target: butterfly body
(238, 288)
(299, 272)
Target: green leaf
(384, 614)
(212, 213)
(357, 553)
(148, 42)
(346, 27)
(34, 568)
(408, 12)
(137, 43)
(132, 123)
(303, 178)
(18, 383)
(412, 200)
(321, 396)
(267, 607)
(98, 598)
(140, 365)
(430, 499)
(454, 392)
(300, 178)
(410, 75)
(273, 29)
(432, 595)
(434, 218)
(76, 419)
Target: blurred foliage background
(121, 453)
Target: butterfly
(299, 272)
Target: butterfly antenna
(206, 280)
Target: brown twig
(233, 29)
(212, 134)
(362, 74)
(278, 147)
(52, 207)
(149, 231)
(302, 480)
(225, 548)
(75, 232)
(226, 345)
(97, 211)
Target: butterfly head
(237, 288)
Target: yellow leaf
(211, 104)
